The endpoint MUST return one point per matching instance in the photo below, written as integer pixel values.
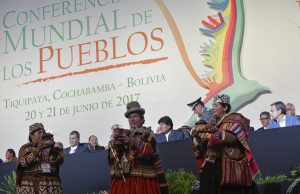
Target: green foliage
(273, 179)
(180, 182)
(294, 175)
(295, 172)
(9, 185)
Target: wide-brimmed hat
(36, 126)
(133, 107)
(195, 103)
(221, 98)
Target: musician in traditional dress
(38, 165)
(133, 157)
(229, 166)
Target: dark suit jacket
(91, 148)
(99, 148)
(79, 149)
(175, 135)
(260, 129)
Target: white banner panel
(75, 64)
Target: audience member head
(186, 128)
(278, 110)
(197, 106)
(74, 138)
(36, 132)
(135, 114)
(115, 126)
(290, 109)
(264, 118)
(221, 105)
(10, 155)
(93, 140)
(165, 124)
(59, 145)
(201, 124)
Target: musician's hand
(195, 131)
(158, 130)
(33, 150)
(215, 139)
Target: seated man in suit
(264, 118)
(74, 139)
(280, 118)
(93, 141)
(167, 133)
(291, 110)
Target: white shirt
(167, 135)
(282, 123)
(72, 150)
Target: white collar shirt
(283, 122)
(73, 149)
(167, 135)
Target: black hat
(166, 120)
(195, 103)
(134, 107)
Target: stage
(276, 151)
